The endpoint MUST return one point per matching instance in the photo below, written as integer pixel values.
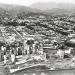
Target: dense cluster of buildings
(37, 36)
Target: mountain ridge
(55, 8)
(16, 9)
(51, 5)
(49, 9)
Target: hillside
(37, 9)
(50, 5)
(55, 8)
(16, 9)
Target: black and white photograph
(37, 37)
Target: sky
(29, 2)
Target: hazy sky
(29, 2)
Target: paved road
(65, 72)
(37, 71)
(43, 71)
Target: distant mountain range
(16, 9)
(51, 5)
(38, 8)
(55, 8)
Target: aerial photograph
(37, 37)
